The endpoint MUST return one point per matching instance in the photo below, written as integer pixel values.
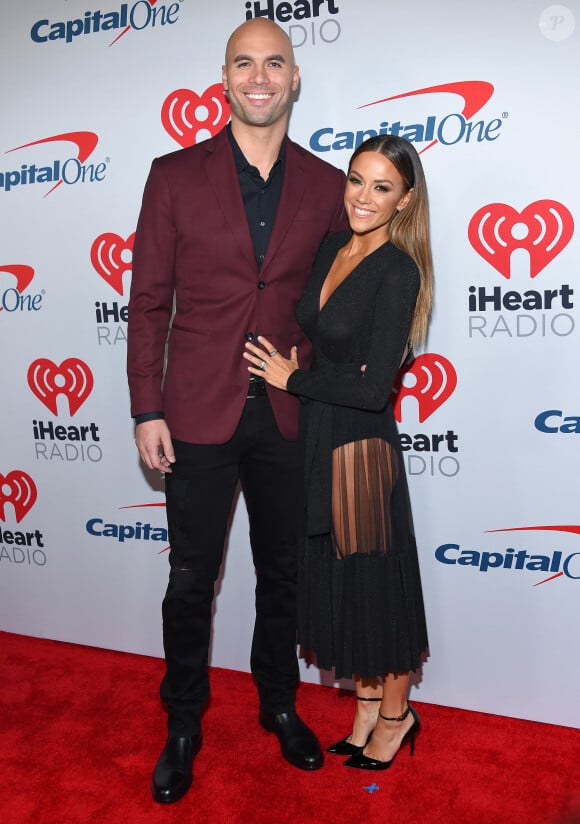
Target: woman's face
(374, 192)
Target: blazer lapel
(293, 190)
(223, 179)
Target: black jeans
(199, 495)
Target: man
(227, 234)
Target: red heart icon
(107, 258)
(543, 228)
(18, 489)
(72, 378)
(435, 381)
(189, 118)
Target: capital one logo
(431, 380)
(543, 229)
(555, 562)
(23, 275)
(142, 14)
(137, 530)
(70, 171)
(474, 93)
(448, 130)
(17, 488)
(111, 257)
(72, 378)
(189, 118)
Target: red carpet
(81, 729)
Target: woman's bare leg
(387, 735)
(367, 712)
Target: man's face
(259, 74)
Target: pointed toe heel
(363, 762)
(344, 746)
(360, 761)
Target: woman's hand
(269, 363)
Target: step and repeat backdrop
(489, 413)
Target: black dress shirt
(261, 197)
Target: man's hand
(154, 444)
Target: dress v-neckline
(344, 280)
(336, 288)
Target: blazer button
(249, 336)
(261, 285)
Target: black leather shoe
(172, 775)
(344, 747)
(360, 761)
(298, 743)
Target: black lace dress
(360, 602)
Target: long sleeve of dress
(344, 384)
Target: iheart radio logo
(22, 273)
(111, 257)
(543, 229)
(185, 114)
(431, 380)
(17, 488)
(72, 378)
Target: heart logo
(22, 273)
(111, 257)
(72, 378)
(431, 379)
(543, 229)
(189, 118)
(18, 489)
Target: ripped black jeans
(199, 497)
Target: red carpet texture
(81, 729)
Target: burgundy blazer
(193, 256)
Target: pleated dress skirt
(360, 601)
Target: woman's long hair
(409, 228)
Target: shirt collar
(240, 160)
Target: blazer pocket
(189, 329)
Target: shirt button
(261, 285)
(249, 336)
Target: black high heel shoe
(344, 747)
(363, 762)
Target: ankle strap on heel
(364, 698)
(398, 718)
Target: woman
(360, 602)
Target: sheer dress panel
(364, 473)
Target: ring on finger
(273, 352)
(263, 365)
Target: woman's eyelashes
(358, 182)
